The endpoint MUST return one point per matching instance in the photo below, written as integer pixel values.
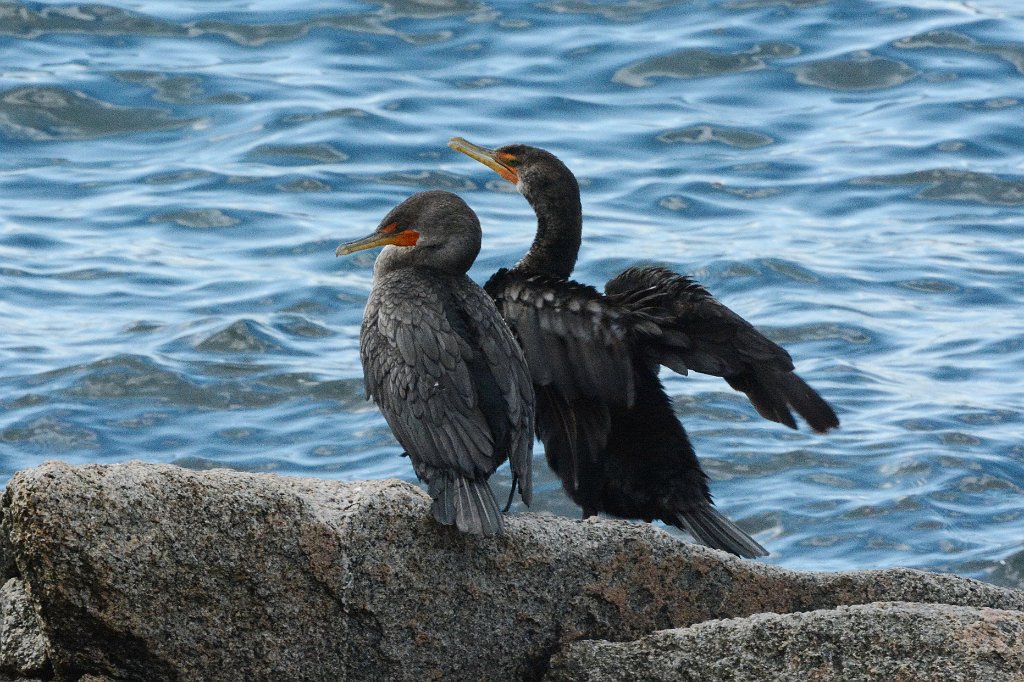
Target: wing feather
(431, 405)
(505, 366)
(685, 327)
(572, 336)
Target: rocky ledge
(152, 572)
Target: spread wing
(682, 326)
(447, 379)
(579, 349)
(574, 339)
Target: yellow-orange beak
(389, 234)
(488, 157)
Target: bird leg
(511, 494)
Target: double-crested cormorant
(607, 425)
(441, 363)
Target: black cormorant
(442, 364)
(607, 425)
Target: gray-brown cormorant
(607, 425)
(441, 363)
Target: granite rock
(22, 645)
(892, 641)
(143, 571)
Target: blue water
(848, 176)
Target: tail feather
(708, 526)
(469, 505)
(476, 509)
(443, 507)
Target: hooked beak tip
(488, 157)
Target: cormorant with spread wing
(607, 425)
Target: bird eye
(508, 160)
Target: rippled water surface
(848, 176)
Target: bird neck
(559, 233)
